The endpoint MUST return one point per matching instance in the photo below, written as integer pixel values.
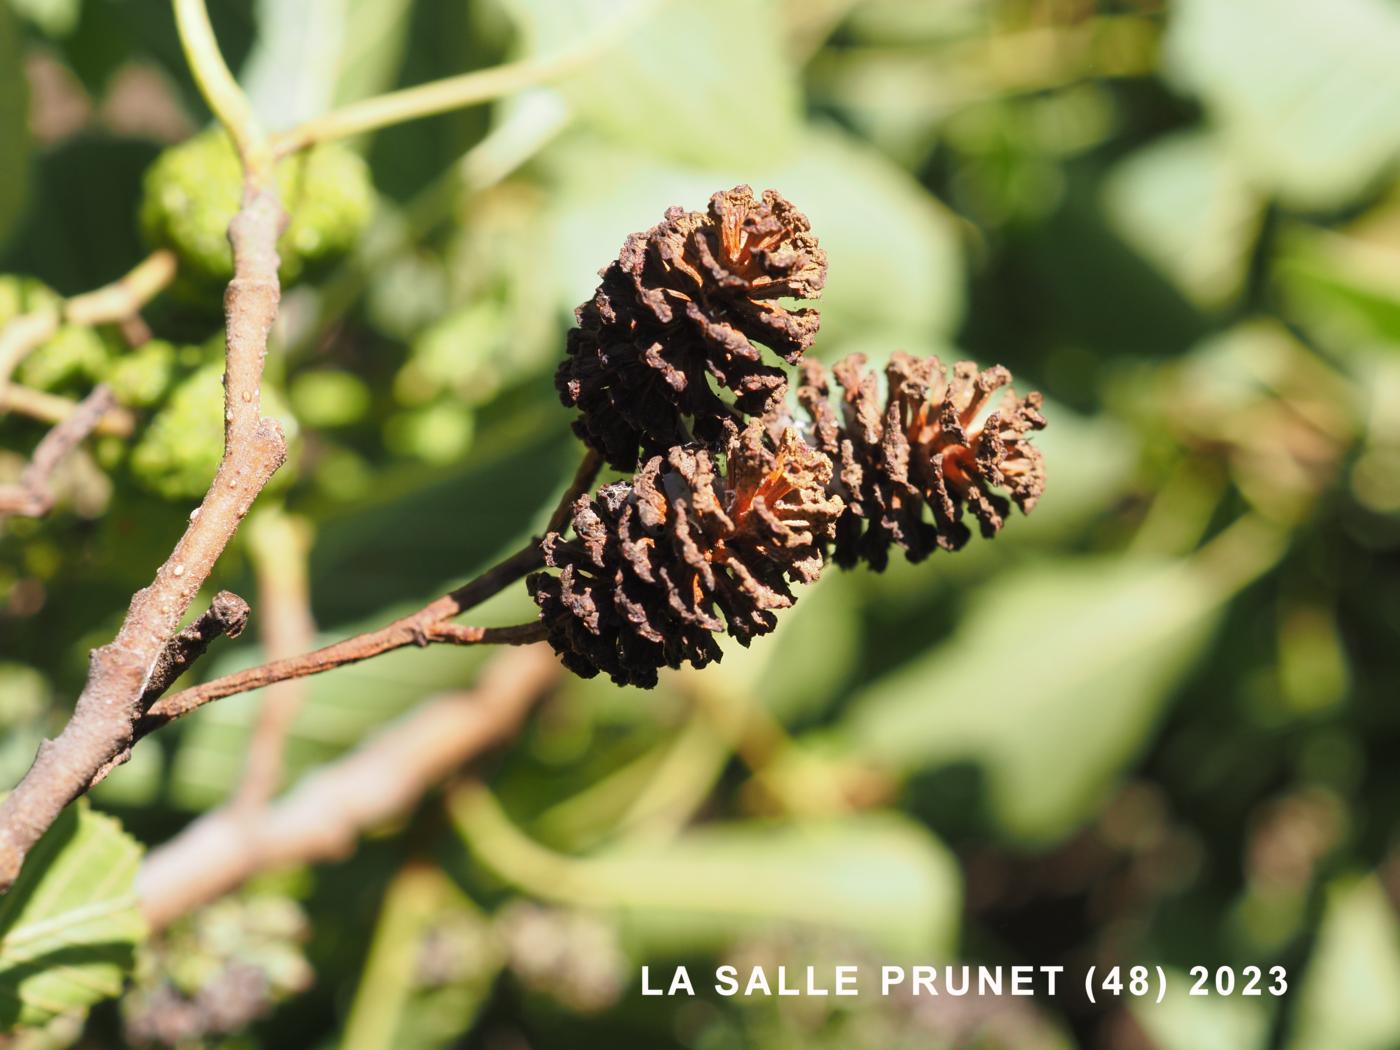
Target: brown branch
(105, 715)
(426, 626)
(54, 408)
(33, 495)
(323, 816)
(226, 617)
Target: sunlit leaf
(69, 926)
(700, 81)
(1051, 684)
(878, 877)
(1307, 94)
(888, 241)
(1184, 205)
(1347, 1000)
(1186, 1022)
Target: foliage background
(1152, 723)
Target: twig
(226, 617)
(105, 715)
(278, 546)
(324, 815)
(423, 627)
(114, 303)
(443, 96)
(225, 98)
(33, 495)
(53, 408)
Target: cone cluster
(737, 498)
(692, 300)
(658, 564)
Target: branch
(111, 304)
(225, 98)
(443, 96)
(54, 408)
(33, 495)
(323, 816)
(104, 718)
(226, 617)
(423, 627)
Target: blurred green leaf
(1182, 203)
(1306, 94)
(69, 925)
(315, 54)
(882, 878)
(398, 1003)
(14, 124)
(1344, 284)
(1186, 1022)
(1347, 1001)
(56, 18)
(1051, 683)
(889, 242)
(879, 877)
(672, 86)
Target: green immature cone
(75, 356)
(180, 448)
(193, 190)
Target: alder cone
(659, 564)
(922, 446)
(689, 301)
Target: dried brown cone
(658, 564)
(923, 446)
(687, 302)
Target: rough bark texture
(687, 302)
(658, 564)
(103, 720)
(922, 446)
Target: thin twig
(54, 408)
(278, 546)
(106, 712)
(221, 92)
(113, 303)
(33, 495)
(443, 96)
(423, 627)
(226, 617)
(323, 816)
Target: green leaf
(55, 18)
(14, 124)
(674, 86)
(1344, 284)
(1184, 205)
(1051, 684)
(1185, 1022)
(1306, 94)
(394, 1006)
(1348, 999)
(879, 877)
(315, 54)
(69, 926)
(887, 239)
